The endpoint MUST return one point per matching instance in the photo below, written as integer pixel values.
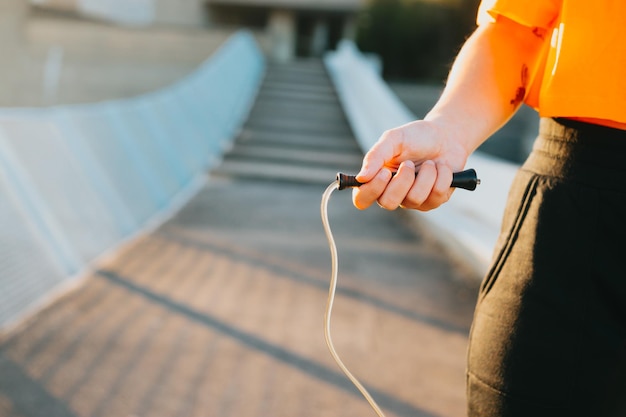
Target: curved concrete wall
(469, 223)
(75, 181)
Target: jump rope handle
(467, 180)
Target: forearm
(487, 82)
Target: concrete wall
(76, 181)
(13, 14)
(180, 12)
(281, 29)
(134, 12)
(291, 29)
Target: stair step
(298, 139)
(317, 89)
(297, 96)
(299, 125)
(278, 107)
(275, 172)
(283, 154)
(326, 118)
(312, 126)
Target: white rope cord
(331, 298)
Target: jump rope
(465, 179)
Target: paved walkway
(219, 312)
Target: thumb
(375, 159)
(368, 171)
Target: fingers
(426, 191)
(431, 187)
(387, 191)
(365, 195)
(398, 187)
(441, 191)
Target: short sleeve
(531, 13)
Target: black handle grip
(467, 180)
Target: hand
(419, 147)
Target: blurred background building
(296, 27)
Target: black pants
(549, 332)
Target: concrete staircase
(296, 131)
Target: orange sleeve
(531, 13)
(581, 72)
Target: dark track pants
(549, 332)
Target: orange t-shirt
(583, 75)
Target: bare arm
(485, 87)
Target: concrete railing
(76, 181)
(469, 223)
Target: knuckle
(416, 198)
(393, 135)
(438, 195)
(387, 205)
(409, 205)
(417, 201)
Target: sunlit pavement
(219, 312)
